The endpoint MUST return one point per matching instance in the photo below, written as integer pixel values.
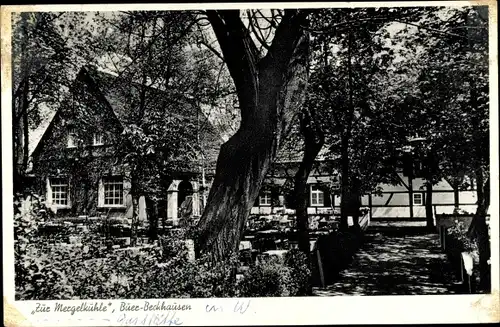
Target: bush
(89, 270)
(458, 241)
(268, 278)
(45, 270)
(298, 264)
(277, 277)
(460, 233)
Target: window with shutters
(265, 198)
(317, 196)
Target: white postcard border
(311, 310)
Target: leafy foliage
(459, 232)
(450, 106)
(44, 56)
(90, 270)
(43, 60)
(275, 276)
(352, 66)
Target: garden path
(395, 264)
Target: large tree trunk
(345, 189)
(313, 142)
(270, 93)
(478, 231)
(456, 199)
(346, 196)
(21, 137)
(356, 205)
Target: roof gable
(84, 108)
(105, 97)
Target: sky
(105, 63)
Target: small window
(317, 196)
(98, 139)
(418, 199)
(59, 191)
(265, 198)
(113, 191)
(71, 138)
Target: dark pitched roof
(123, 95)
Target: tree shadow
(396, 265)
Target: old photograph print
(251, 152)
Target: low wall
(449, 220)
(333, 253)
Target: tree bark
(134, 192)
(345, 194)
(429, 214)
(270, 92)
(456, 199)
(21, 139)
(313, 142)
(133, 226)
(478, 231)
(25, 128)
(152, 210)
(355, 203)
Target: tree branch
(284, 41)
(271, 21)
(333, 28)
(256, 31)
(211, 48)
(239, 51)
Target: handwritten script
(240, 306)
(133, 313)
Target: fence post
(320, 268)
(442, 230)
(462, 268)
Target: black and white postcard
(242, 164)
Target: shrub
(458, 241)
(460, 233)
(298, 264)
(90, 270)
(268, 278)
(45, 270)
(276, 277)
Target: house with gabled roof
(76, 167)
(404, 198)
(76, 164)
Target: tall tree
(349, 87)
(165, 80)
(270, 89)
(450, 110)
(42, 59)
